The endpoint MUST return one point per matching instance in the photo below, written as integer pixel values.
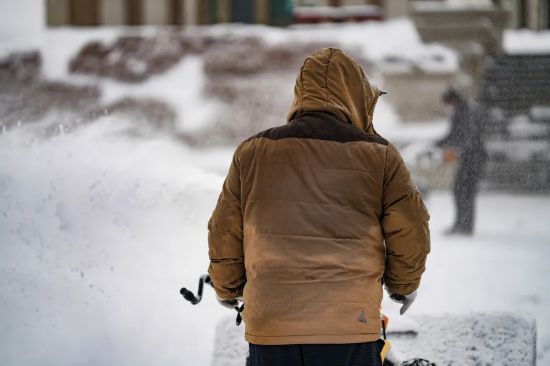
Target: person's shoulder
(273, 133)
(392, 153)
(378, 139)
(251, 142)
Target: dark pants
(353, 354)
(467, 178)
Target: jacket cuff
(403, 290)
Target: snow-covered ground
(99, 230)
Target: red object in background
(336, 14)
(450, 155)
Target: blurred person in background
(313, 218)
(465, 141)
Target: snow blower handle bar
(189, 296)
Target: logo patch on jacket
(362, 318)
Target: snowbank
(393, 44)
(21, 23)
(525, 41)
(181, 87)
(379, 42)
(98, 232)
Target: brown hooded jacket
(316, 214)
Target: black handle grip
(189, 296)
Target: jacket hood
(331, 81)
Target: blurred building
(532, 14)
(166, 12)
(319, 11)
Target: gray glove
(230, 304)
(406, 300)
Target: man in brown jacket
(313, 218)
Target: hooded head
(452, 96)
(331, 81)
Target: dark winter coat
(467, 131)
(314, 214)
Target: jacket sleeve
(405, 227)
(225, 238)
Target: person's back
(315, 215)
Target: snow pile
(454, 4)
(472, 339)
(98, 232)
(386, 43)
(181, 87)
(230, 348)
(58, 45)
(21, 23)
(524, 41)
(129, 58)
(381, 42)
(204, 107)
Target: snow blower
(388, 355)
